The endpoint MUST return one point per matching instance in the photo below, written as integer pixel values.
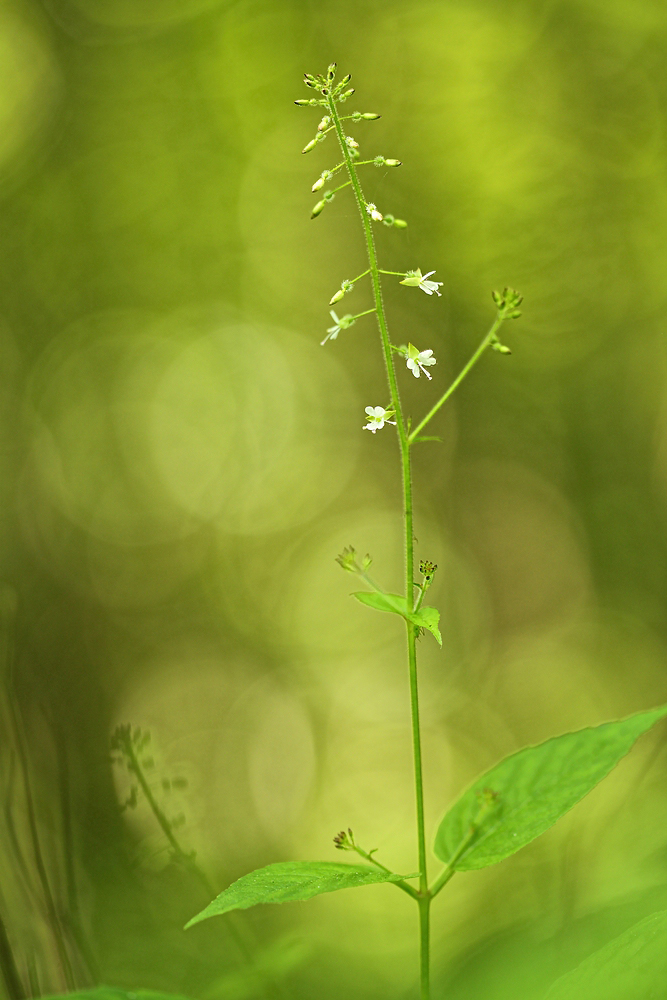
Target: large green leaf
(631, 967)
(290, 881)
(114, 993)
(526, 793)
(427, 618)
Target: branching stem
(404, 446)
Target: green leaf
(289, 881)
(523, 795)
(383, 602)
(113, 993)
(631, 967)
(427, 618)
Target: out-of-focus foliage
(180, 463)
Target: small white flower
(373, 212)
(352, 143)
(416, 360)
(419, 280)
(377, 418)
(339, 324)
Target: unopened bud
(319, 183)
(346, 79)
(309, 145)
(352, 143)
(497, 346)
(317, 209)
(400, 223)
(393, 163)
(346, 94)
(337, 297)
(302, 103)
(368, 116)
(331, 72)
(325, 123)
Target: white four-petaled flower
(419, 280)
(416, 360)
(377, 418)
(339, 324)
(373, 212)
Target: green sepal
(292, 881)
(526, 793)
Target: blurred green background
(181, 463)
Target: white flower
(339, 324)
(352, 143)
(377, 418)
(416, 360)
(418, 279)
(373, 212)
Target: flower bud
(325, 123)
(317, 209)
(400, 223)
(352, 143)
(348, 93)
(302, 103)
(331, 72)
(370, 117)
(346, 79)
(337, 297)
(319, 183)
(393, 163)
(309, 145)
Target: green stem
(401, 885)
(457, 381)
(404, 445)
(364, 313)
(398, 274)
(340, 187)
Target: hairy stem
(404, 446)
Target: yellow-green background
(181, 462)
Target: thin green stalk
(459, 378)
(404, 445)
(10, 972)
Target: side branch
(488, 340)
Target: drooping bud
(325, 123)
(501, 348)
(393, 163)
(309, 145)
(319, 183)
(302, 103)
(317, 209)
(369, 116)
(351, 142)
(336, 297)
(400, 224)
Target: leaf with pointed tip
(382, 602)
(523, 795)
(290, 881)
(631, 967)
(427, 618)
